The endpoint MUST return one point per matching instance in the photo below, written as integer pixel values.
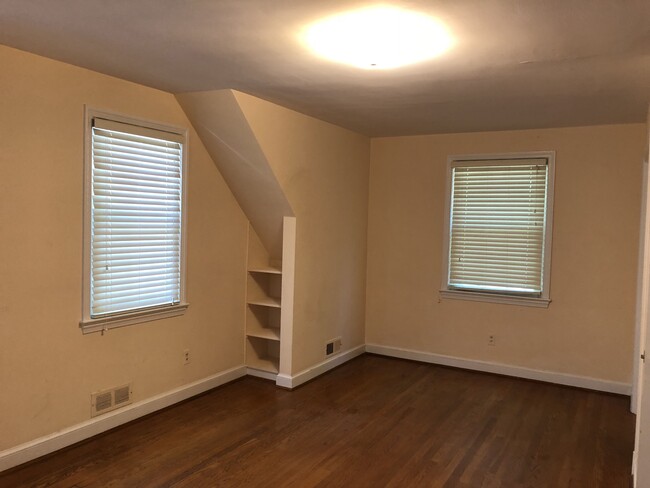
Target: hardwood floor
(373, 422)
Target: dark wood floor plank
(373, 422)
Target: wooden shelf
(265, 302)
(265, 287)
(268, 333)
(267, 270)
(268, 364)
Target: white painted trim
(642, 336)
(137, 317)
(495, 298)
(643, 275)
(260, 373)
(305, 375)
(503, 369)
(283, 381)
(71, 435)
(287, 293)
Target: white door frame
(643, 287)
(641, 405)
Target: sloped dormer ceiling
(226, 134)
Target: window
(498, 228)
(134, 221)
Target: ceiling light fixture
(380, 37)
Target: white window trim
(87, 323)
(510, 299)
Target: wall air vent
(104, 401)
(333, 346)
(122, 395)
(107, 400)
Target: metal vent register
(107, 400)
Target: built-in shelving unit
(263, 319)
(263, 311)
(265, 269)
(267, 333)
(269, 323)
(272, 302)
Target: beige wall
(587, 329)
(323, 171)
(228, 138)
(48, 369)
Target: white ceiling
(517, 63)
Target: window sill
(494, 298)
(121, 320)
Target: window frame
(544, 299)
(87, 323)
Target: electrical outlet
(492, 340)
(186, 356)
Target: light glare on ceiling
(381, 37)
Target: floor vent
(107, 400)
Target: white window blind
(498, 226)
(135, 249)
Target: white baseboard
(504, 369)
(53, 442)
(58, 440)
(286, 381)
(258, 373)
(71, 435)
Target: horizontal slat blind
(136, 219)
(497, 227)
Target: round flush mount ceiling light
(381, 37)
